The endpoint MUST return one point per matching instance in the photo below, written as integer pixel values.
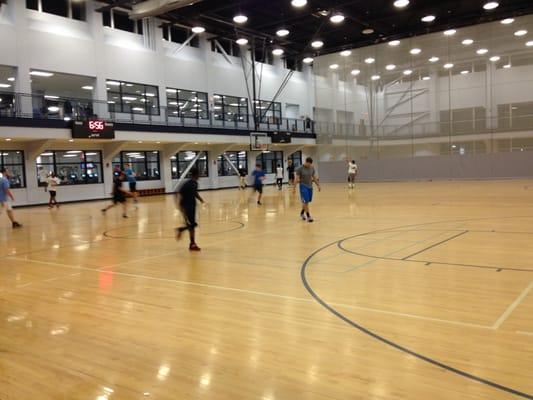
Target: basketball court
(397, 291)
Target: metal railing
(45, 107)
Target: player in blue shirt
(259, 176)
(6, 197)
(132, 181)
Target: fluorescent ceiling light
(4, 85)
(11, 79)
(507, 21)
(426, 78)
(407, 72)
(494, 58)
(482, 51)
(337, 18)
(277, 52)
(507, 66)
(465, 72)
(88, 87)
(394, 43)
(308, 60)
(198, 29)
(520, 32)
(450, 32)
(317, 44)
(50, 97)
(491, 5)
(355, 72)
(368, 31)
(240, 19)
(415, 51)
(345, 53)
(433, 59)
(113, 83)
(448, 65)
(428, 18)
(375, 77)
(530, 43)
(74, 151)
(390, 67)
(129, 98)
(334, 66)
(370, 60)
(242, 41)
(467, 42)
(171, 90)
(401, 3)
(42, 73)
(282, 32)
(298, 3)
(53, 109)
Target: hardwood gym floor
(397, 291)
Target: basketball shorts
(306, 194)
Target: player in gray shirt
(305, 176)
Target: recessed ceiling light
(370, 60)
(298, 3)
(337, 18)
(334, 66)
(345, 53)
(467, 42)
(448, 65)
(240, 19)
(375, 77)
(482, 51)
(394, 43)
(434, 59)
(415, 51)
(520, 32)
(407, 72)
(390, 67)
(42, 73)
(282, 32)
(242, 41)
(530, 43)
(491, 5)
(450, 32)
(355, 72)
(428, 18)
(277, 52)
(507, 66)
(308, 60)
(401, 3)
(11, 79)
(317, 44)
(368, 31)
(465, 72)
(198, 29)
(87, 87)
(426, 78)
(507, 21)
(5, 85)
(494, 58)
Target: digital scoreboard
(281, 137)
(93, 129)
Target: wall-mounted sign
(281, 137)
(93, 129)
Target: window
(180, 35)
(463, 120)
(230, 47)
(230, 108)
(238, 158)
(264, 55)
(515, 116)
(13, 160)
(74, 9)
(145, 164)
(117, 19)
(134, 98)
(294, 64)
(296, 159)
(181, 161)
(187, 104)
(269, 161)
(268, 112)
(72, 167)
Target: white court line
(266, 294)
(513, 306)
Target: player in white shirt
(279, 176)
(52, 183)
(352, 173)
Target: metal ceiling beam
(113, 4)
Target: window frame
(278, 158)
(55, 165)
(121, 103)
(175, 163)
(145, 162)
(204, 114)
(296, 156)
(110, 16)
(218, 101)
(275, 111)
(221, 162)
(9, 165)
(70, 9)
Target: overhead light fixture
(368, 31)
(415, 51)
(529, 44)
(434, 59)
(467, 42)
(491, 5)
(240, 19)
(5, 85)
(390, 67)
(507, 21)
(41, 73)
(426, 78)
(308, 60)
(521, 32)
(298, 3)
(465, 72)
(129, 98)
(448, 65)
(50, 97)
(401, 3)
(482, 51)
(88, 87)
(8, 139)
(53, 109)
(11, 79)
(113, 83)
(282, 32)
(355, 72)
(277, 52)
(345, 53)
(370, 60)
(334, 66)
(494, 58)
(407, 72)
(317, 44)
(507, 66)
(199, 29)
(428, 18)
(337, 18)
(242, 41)
(450, 32)
(375, 77)
(394, 43)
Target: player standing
(352, 173)
(279, 176)
(53, 182)
(290, 171)
(188, 194)
(305, 176)
(6, 197)
(132, 181)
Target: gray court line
(434, 245)
(507, 313)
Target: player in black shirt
(187, 196)
(290, 170)
(119, 194)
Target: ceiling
(312, 21)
